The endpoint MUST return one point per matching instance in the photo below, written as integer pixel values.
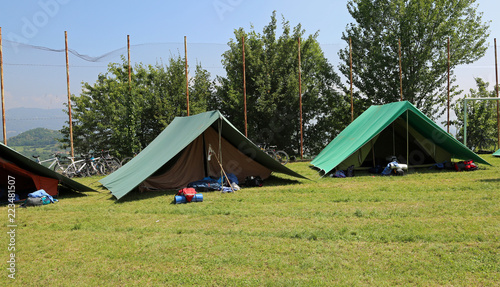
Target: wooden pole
(3, 96)
(300, 110)
(244, 85)
(448, 121)
(400, 73)
(496, 89)
(129, 67)
(69, 95)
(350, 66)
(187, 77)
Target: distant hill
(39, 137)
(38, 141)
(19, 120)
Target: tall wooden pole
(244, 85)
(187, 77)
(69, 95)
(496, 89)
(300, 109)
(3, 98)
(350, 67)
(400, 72)
(448, 121)
(129, 67)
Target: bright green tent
(189, 149)
(11, 156)
(497, 153)
(397, 129)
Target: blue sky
(36, 78)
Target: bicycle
(83, 167)
(55, 164)
(106, 163)
(279, 155)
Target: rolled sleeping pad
(182, 199)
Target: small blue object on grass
(182, 199)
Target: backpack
(32, 201)
(467, 165)
(253, 181)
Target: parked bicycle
(106, 163)
(280, 155)
(55, 164)
(85, 166)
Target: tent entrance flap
(397, 140)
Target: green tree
(481, 119)
(272, 88)
(423, 27)
(115, 114)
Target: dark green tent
(189, 149)
(31, 176)
(397, 129)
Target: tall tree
(272, 88)
(423, 26)
(113, 114)
(481, 118)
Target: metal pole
(350, 65)
(3, 98)
(69, 95)
(400, 72)
(244, 85)
(496, 89)
(187, 77)
(448, 121)
(300, 109)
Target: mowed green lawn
(428, 228)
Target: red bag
(188, 192)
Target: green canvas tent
(31, 176)
(189, 149)
(497, 153)
(397, 129)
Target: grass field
(428, 228)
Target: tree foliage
(423, 27)
(115, 114)
(272, 88)
(481, 119)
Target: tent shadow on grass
(135, 195)
(490, 180)
(69, 193)
(277, 181)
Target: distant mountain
(37, 138)
(19, 120)
(39, 141)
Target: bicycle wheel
(70, 171)
(282, 157)
(58, 168)
(112, 165)
(125, 160)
